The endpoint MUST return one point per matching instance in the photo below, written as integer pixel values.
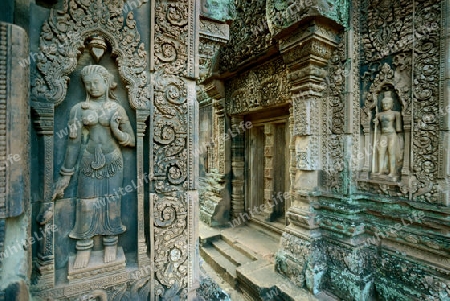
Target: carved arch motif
(386, 80)
(63, 38)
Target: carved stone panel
(134, 126)
(14, 121)
(173, 162)
(401, 53)
(264, 86)
(14, 162)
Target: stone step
(219, 263)
(273, 229)
(239, 247)
(259, 281)
(232, 254)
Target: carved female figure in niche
(106, 123)
(388, 145)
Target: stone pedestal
(96, 266)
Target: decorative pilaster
(173, 206)
(142, 179)
(238, 169)
(306, 53)
(214, 198)
(14, 160)
(221, 121)
(44, 124)
(269, 146)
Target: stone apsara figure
(387, 142)
(100, 170)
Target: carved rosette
(63, 37)
(173, 38)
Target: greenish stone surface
(220, 10)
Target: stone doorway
(267, 169)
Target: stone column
(269, 129)
(306, 52)
(44, 124)
(215, 197)
(142, 180)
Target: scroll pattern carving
(63, 37)
(172, 147)
(264, 86)
(170, 174)
(174, 31)
(170, 134)
(388, 28)
(171, 247)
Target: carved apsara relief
(391, 37)
(387, 130)
(101, 167)
(98, 27)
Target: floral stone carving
(81, 21)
